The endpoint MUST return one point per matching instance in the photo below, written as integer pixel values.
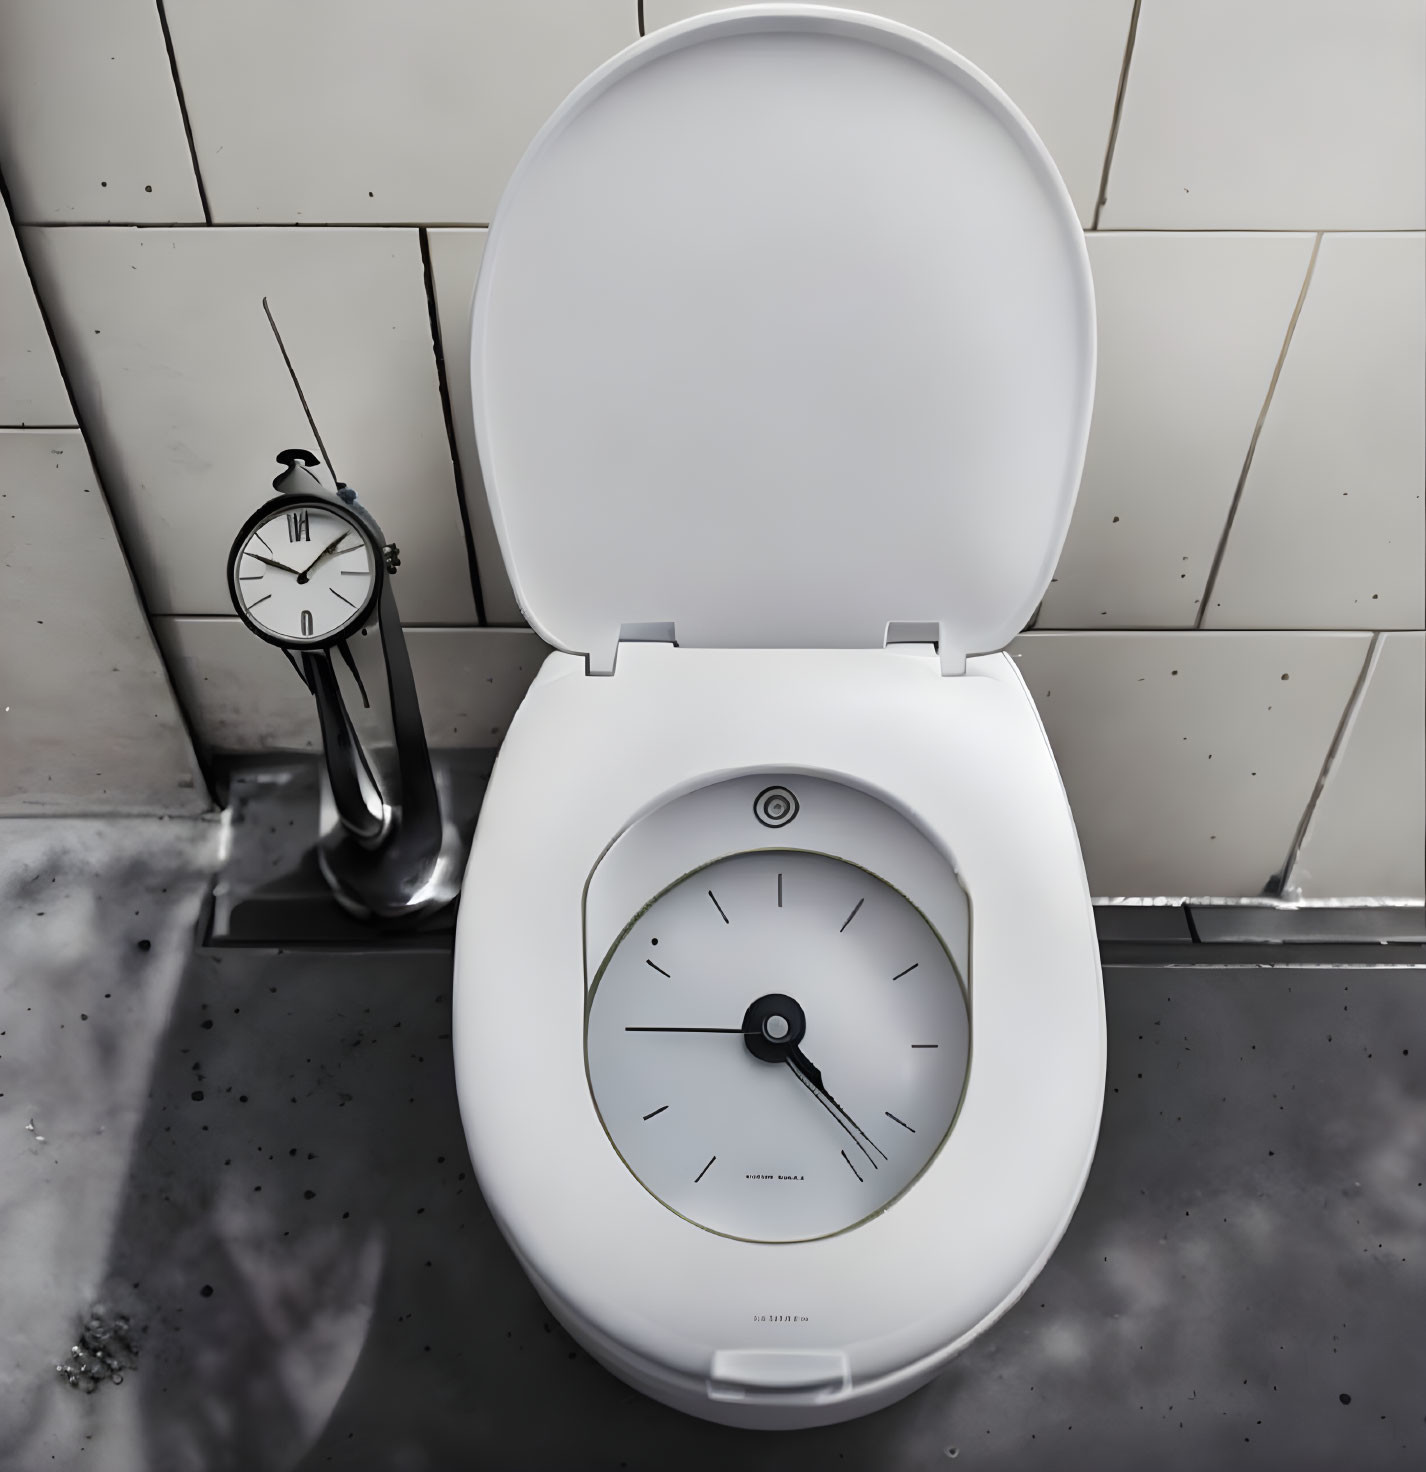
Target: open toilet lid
(784, 332)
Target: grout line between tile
(204, 770)
(255, 225)
(410, 628)
(183, 112)
(1216, 566)
(1192, 924)
(1152, 630)
(429, 277)
(1118, 113)
(485, 225)
(1339, 739)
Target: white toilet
(779, 1025)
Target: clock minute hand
(325, 552)
(741, 1031)
(811, 1075)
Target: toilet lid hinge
(953, 658)
(604, 656)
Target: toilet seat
(968, 760)
(796, 298)
(728, 471)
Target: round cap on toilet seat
(795, 297)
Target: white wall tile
(1273, 115)
(31, 390)
(455, 261)
(1189, 758)
(1059, 63)
(1190, 329)
(88, 723)
(1367, 836)
(90, 126)
(414, 112)
(185, 392)
(1329, 532)
(245, 697)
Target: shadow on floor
(1243, 1286)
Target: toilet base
(753, 1411)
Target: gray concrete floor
(257, 1158)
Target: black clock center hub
(773, 1026)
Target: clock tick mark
(779, 891)
(853, 915)
(659, 969)
(925, 1045)
(336, 594)
(250, 577)
(886, 1112)
(256, 601)
(851, 1167)
(660, 1110)
(907, 972)
(703, 1172)
(718, 907)
(348, 572)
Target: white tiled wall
(1253, 180)
(1190, 327)
(1329, 533)
(88, 722)
(182, 384)
(1189, 758)
(455, 260)
(90, 125)
(409, 110)
(1367, 830)
(31, 389)
(1272, 115)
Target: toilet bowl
(779, 1030)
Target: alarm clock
(306, 569)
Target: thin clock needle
(821, 1099)
(281, 566)
(324, 553)
(750, 1032)
(808, 1071)
(306, 409)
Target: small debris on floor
(108, 1345)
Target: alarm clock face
(777, 1045)
(304, 574)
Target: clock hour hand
(281, 566)
(810, 1075)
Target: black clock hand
(810, 1075)
(325, 552)
(281, 566)
(741, 1031)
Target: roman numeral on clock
(297, 527)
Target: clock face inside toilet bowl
(777, 1045)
